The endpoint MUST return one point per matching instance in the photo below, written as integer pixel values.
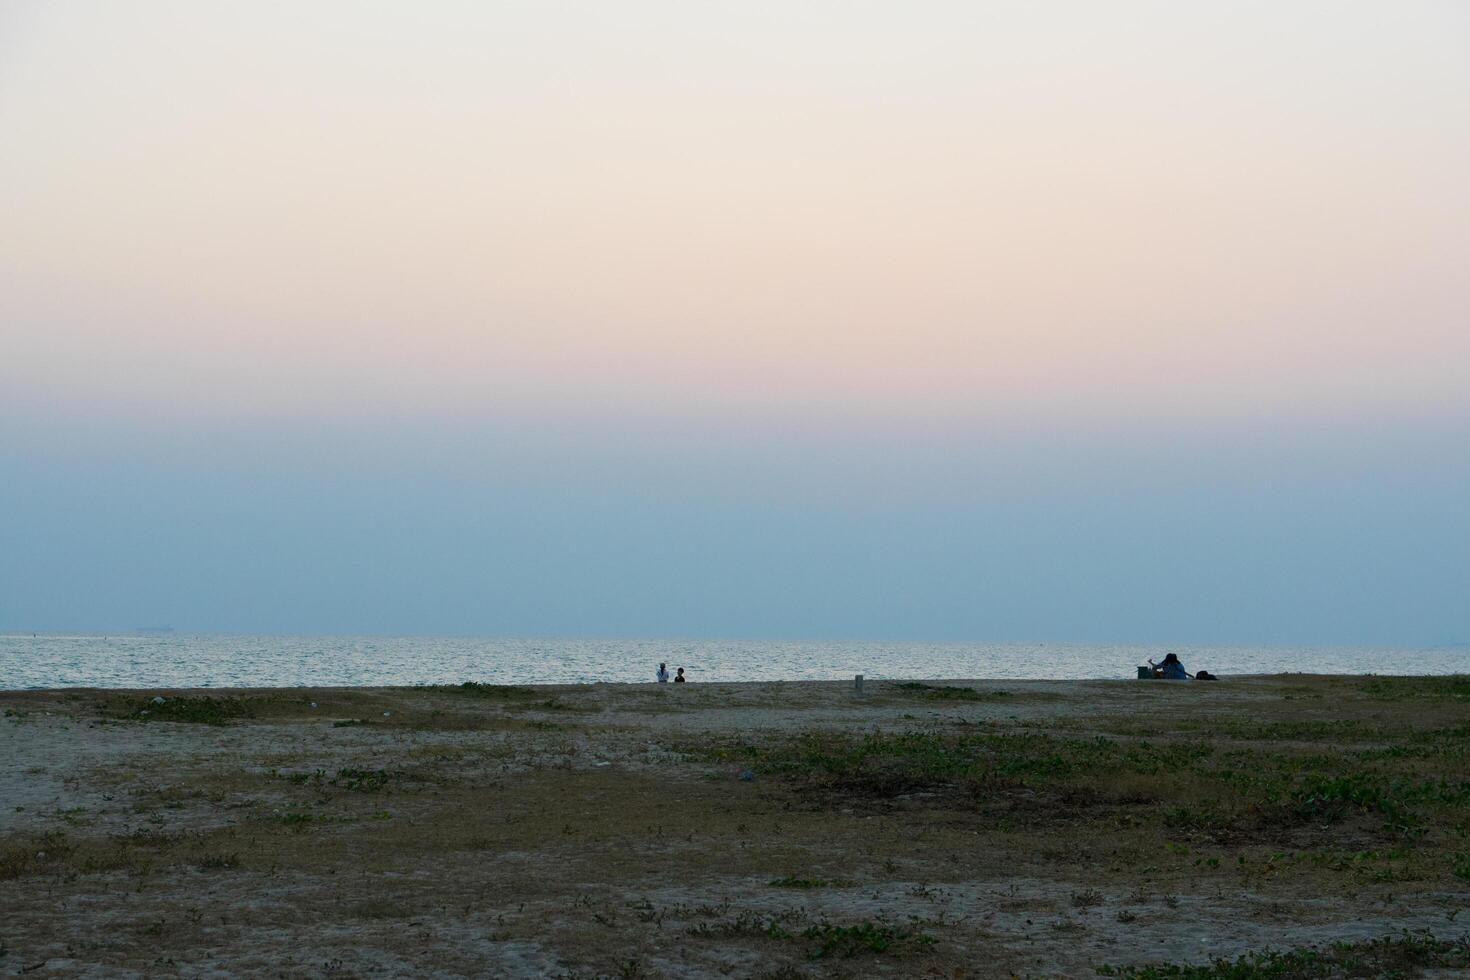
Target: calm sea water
(185, 660)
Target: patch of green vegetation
(1294, 731)
(746, 924)
(192, 710)
(792, 881)
(491, 692)
(947, 692)
(866, 938)
(556, 704)
(19, 859)
(222, 861)
(148, 837)
(1452, 687)
(299, 820)
(350, 723)
(884, 764)
(53, 851)
(1400, 863)
(1390, 956)
(1195, 817)
(1086, 899)
(364, 780)
(353, 779)
(1194, 788)
(74, 815)
(1329, 797)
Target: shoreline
(590, 685)
(255, 661)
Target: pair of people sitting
(1172, 670)
(663, 675)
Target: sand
(1030, 828)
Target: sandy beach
(956, 828)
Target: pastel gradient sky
(1136, 321)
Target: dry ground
(782, 830)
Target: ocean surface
(30, 661)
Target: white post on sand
(857, 684)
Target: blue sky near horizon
(1060, 321)
(1054, 549)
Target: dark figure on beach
(663, 673)
(1170, 669)
(679, 678)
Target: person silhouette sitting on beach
(663, 673)
(679, 678)
(1170, 669)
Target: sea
(176, 660)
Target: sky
(1060, 321)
